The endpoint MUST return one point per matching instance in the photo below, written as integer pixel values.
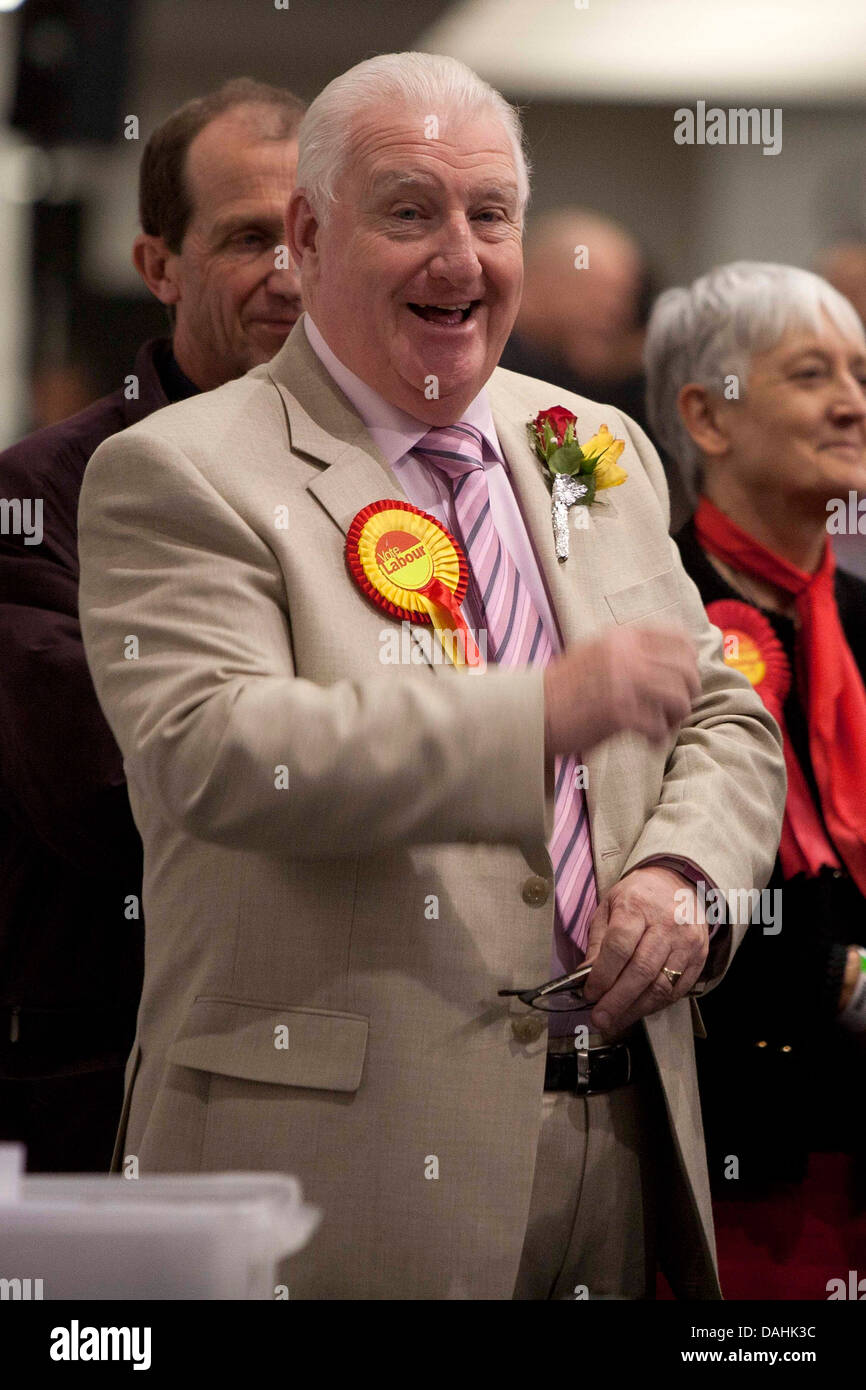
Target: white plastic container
(210, 1235)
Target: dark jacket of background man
(71, 914)
(71, 944)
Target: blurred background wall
(599, 83)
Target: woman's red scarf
(834, 699)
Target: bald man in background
(214, 182)
(586, 298)
(582, 306)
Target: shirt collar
(393, 431)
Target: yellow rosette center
(404, 559)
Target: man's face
(234, 307)
(419, 223)
(801, 426)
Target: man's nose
(283, 278)
(455, 257)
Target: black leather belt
(590, 1070)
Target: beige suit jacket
(336, 848)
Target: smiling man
(214, 181)
(419, 261)
(347, 864)
(213, 187)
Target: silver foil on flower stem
(566, 492)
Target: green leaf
(569, 459)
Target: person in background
(843, 264)
(214, 182)
(757, 385)
(586, 297)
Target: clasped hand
(635, 932)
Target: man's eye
(249, 239)
(491, 214)
(406, 214)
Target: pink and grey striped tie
(516, 637)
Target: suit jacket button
(528, 1027)
(536, 891)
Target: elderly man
(213, 186)
(352, 845)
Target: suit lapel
(575, 594)
(533, 495)
(323, 424)
(356, 473)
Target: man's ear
(155, 264)
(704, 417)
(302, 231)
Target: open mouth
(448, 314)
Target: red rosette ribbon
(750, 645)
(410, 566)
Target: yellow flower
(605, 450)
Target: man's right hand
(638, 680)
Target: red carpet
(791, 1244)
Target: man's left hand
(633, 934)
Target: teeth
(448, 308)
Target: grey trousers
(592, 1218)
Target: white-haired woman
(756, 384)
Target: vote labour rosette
(752, 648)
(414, 569)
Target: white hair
(714, 328)
(428, 81)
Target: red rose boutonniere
(576, 472)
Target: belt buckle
(582, 1057)
(582, 1084)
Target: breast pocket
(659, 594)
(277, 1043)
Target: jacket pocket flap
(284, 1045)
(661, 591)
